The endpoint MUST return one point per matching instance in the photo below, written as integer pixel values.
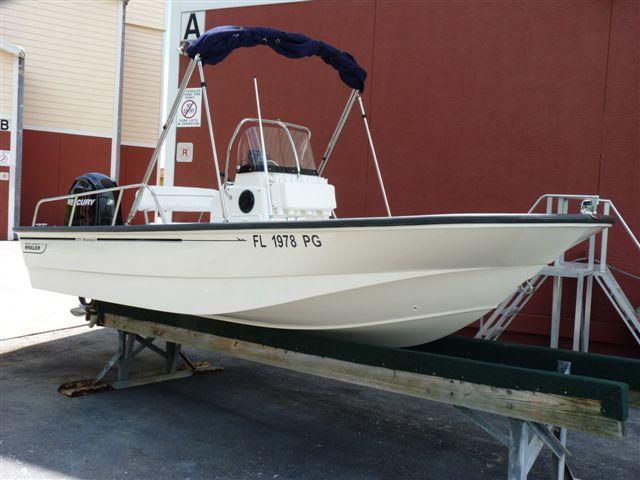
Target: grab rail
(119, 189)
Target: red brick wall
(50, 163)
(133, 164)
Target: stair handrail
(563, 196)
(596, 201)
(634, 239)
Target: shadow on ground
(248, 421)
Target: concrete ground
(23, 310)
(247, 421)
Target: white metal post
(577, 319)
(557, 288)
(114, 169)
(203, 85)
(559, 462)
(373, 153)
(264, 148)
(586, 322)
(604, 240)
(549, 206)
(15, 163)
(15, 171)
(518, 443)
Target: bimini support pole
(373, 152)
(163, 136)
(336, 133)
(264, 148)
(203, 85)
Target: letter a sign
(192, 25)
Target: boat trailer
(541, 391)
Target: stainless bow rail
(75, 196)
(583, 270)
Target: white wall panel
(146, 13)
(142, 85)
(70, 62)
(6, 83)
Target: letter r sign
(184, 152)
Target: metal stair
(584, 271)
(500, 319)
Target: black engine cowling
(96, 209)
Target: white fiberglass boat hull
(396, 282)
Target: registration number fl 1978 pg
(287, 241)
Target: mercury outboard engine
(96, 209)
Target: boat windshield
(288, 146)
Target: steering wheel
(272, 162)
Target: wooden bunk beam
(586, 364)
(576, 402)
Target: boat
(271, 251)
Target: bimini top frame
(218, 43)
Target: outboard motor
(96, 209)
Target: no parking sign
(190, 110)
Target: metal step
(503, 315)
(499, 320)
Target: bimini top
(216, 44)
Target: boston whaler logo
(33, 247)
